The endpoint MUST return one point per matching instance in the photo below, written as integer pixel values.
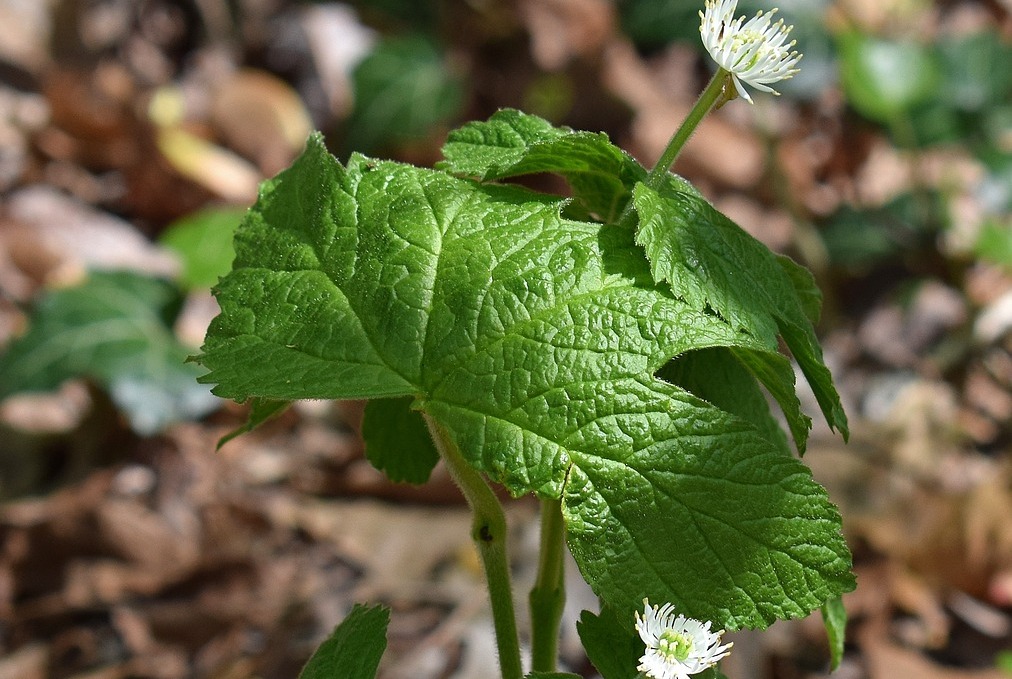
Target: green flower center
(740, 39)
(674, 645)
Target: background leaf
(995, 243)
(883, 79)
(115, 328)
(403, 89)
(203, 241)
(655, 23)
(903, 228)
(973, 96)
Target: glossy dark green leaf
(712, 263)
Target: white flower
(757, 52)
(676, 646)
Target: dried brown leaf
(562, 30)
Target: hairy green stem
(655, 179)
(488, 530)
(702, 106)
(548, 596)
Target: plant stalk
(488, 530)
(706, 101)
(548, 596)
(710, 97)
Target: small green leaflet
(260, 410)
(534, 340)
(512, 143)
(114, 328)
(354, 649)
(397, 441)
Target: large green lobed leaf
(534, 340)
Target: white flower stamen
(676, 646)
(755, 52)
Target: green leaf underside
(354, 649)
(397, 441)
(512, 143)
(834, 617)
(115, 328)
(611, 643)
(712, 263)
(513, 327)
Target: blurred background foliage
(133, 134)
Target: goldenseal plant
(609, 352)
